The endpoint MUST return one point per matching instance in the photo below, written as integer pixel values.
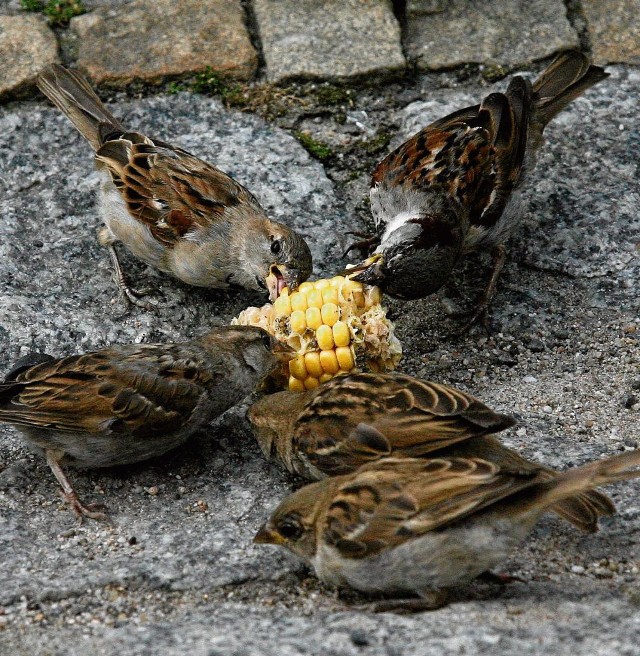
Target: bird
(355, 420)
(128, 403)
(455, 187)
(173, 210)
(413, 528)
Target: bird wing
(396, 500)
(388, 414)
(145, 390)
(474, 155)
(168, 189)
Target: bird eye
(266, 340)
(289, 529)
(276, 246)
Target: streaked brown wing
(395, 500)
(387, 414)
(168, 189)
(142, 391)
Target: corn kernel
(323, 379)
(341, 334)
(330, 295)
(296, 385)
(336, 281)
(297, 368)
(358, 298)
(305, 288)
(311, 383)
(345, 358)
(330, 313)
(314, 298)
(324, 335)
(312, 363)
(298, 301)
(329, 362)
(376, 295)
(298, 321)
(321, 284)
(313, 317)
(282, 305)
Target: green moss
(315, 148)
(209, 82)
(494, 73)
(175, 87)
(329, 94)
(377, 143)
(32, 5)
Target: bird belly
(435, 560)
(134, 234)
(482, 237)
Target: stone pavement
(176, 571)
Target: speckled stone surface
(176, 571)
(614, 27)
(152, 41)
(501, 32)
(338, 38)
(26, 45)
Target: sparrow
(174, 211)
(128, 403)
(414, 526)
(355, 420)
(455, 186)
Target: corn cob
(336, 325)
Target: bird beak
(283, 352)
(368, 272)
(268, 536)
(281, 276)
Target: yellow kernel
(311, 383)
(336, 281)
(298, 301)
(297, 368)
(321, 284)
(314, 298)
(324, 335)
(330, 313)
(330, 295)
(325, 377)
(282, 305)
(345, 358)
(341, 334)
(296, 385)
(312, 363)
(305, 287)
(298, 321)
(358, 298)
(329, 362)
(313, 317)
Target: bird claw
(364, 245)
(81, 510)
(479, 315)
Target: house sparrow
(413, 526)
(124, 404)
(355, 420)
(173, 210)
(455, 186)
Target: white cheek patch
(397, 222)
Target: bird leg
(68, 493)
(481, 311)
(364, 245)
(431, 600)
(130, 296)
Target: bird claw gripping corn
(336, 325)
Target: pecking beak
(281, 276)
(267, 535)
(368, 272)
